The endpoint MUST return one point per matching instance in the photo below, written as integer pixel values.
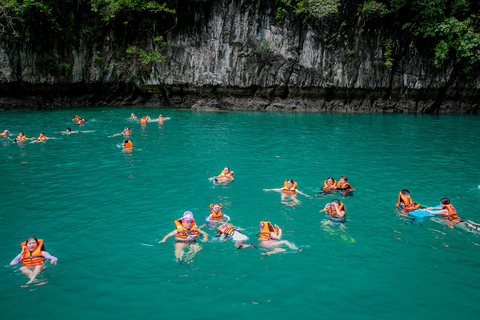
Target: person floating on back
(270, 236)
(228, 231)
(33, 255)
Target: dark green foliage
(450, 27)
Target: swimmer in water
(289, 188)
(69, 131)
(405, 201)
(270, 236)
(32, 256)
(228, 231)
(216, 214)
(21, 137)
(4, 133)
(343, 186)
(160, 119)
(127, 144)
(42, 137)
(328, 186)
(133, 116)
(225, 176)
(185, 234)
(336, 211)
(125, 132)
(289, 192)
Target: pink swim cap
(187, 215)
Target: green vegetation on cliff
(448, 29)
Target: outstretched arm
(278, 190)
(168, 236)
(298, 191)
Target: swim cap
(187, 215)
(6, 131)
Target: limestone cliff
(234, 54)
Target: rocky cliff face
(234, 54)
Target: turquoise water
(102, 211)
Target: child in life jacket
(228, 231)
(405, 202)
(447, 211)
(160, 119)
(216, 214)
(270, 236)
(336, 211)
(185, 234)
(224, 176)
(32, 256)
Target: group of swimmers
(270, 236)
(22, 137)
(446, 210)
(127, 144)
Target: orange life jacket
(133, 117)
(160, 119)
(216, 216)
(344, 185)
(20, 138)
(41, 138)
(334, 212)
(326, 186)
(452, 213)
(4, 134)
(127, 132)
(265, 228)
(147, 118)
(228, 175)
(80, 121)
(143, 120)
(409, 204)
(128, 144)
(290, 190)
(226, 229)
(35, 257)
(183, 232)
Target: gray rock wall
(213, 63)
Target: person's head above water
(445, 201)
(216, 206)
(69, 129)
(31, 243)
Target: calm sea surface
(102, 210)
